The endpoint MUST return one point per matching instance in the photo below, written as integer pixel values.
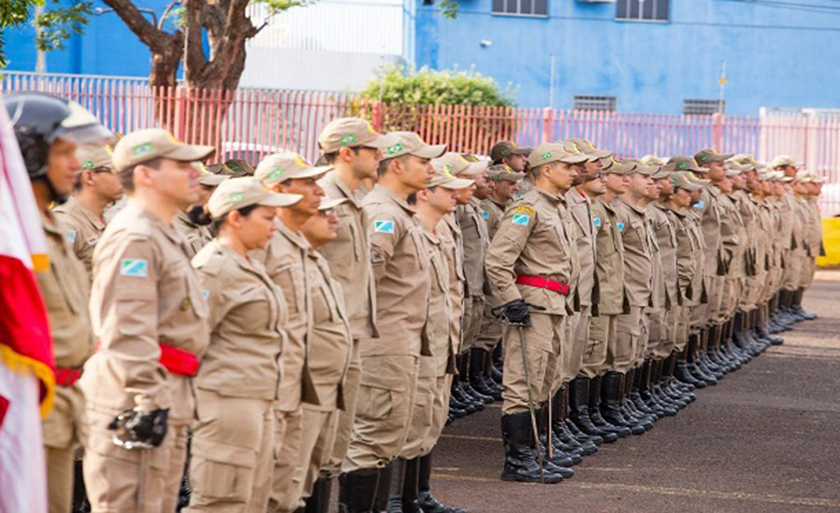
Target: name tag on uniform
(620, 226)
(134, 267)
(383, 226)
(700, 204)
(485, 214)
(92, 240)
(71, 236)
(521, 219)
(596, 222)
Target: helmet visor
(82, 127)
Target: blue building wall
(776, 57)
(107, 47)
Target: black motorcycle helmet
(39, 119)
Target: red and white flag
(27, 382)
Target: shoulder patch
(485, 214)
(524, 209)
(134, 267)
(383, 226)
(596, 222)
(205, 294)
(521, 219)
(71, 236)
(620, 226)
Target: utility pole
(722, 81)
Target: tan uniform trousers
(471, 321)
(317, 442)
(790, 273)
(631, 335)
(431, 407)
(543, 343)
(602, 333)
(490, 330)
(715, 293)
(288, 435)
(140, 480)
(344, 424)
(732, 288)
(384, 410)
(64, 430)
(657, 332)
(232, 453)
(577, 340)
(682, 325)
(807, 268)
(751, 290)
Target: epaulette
(210, 262)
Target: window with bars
(641, 10)
(605, 103)
(703, 107)
(521, 7)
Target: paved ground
(766, 439)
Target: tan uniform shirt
(450, 239)
(786, 206)
(83, 229)
(400, 268)
(247, 315)
(532, 240)
(349, 257)
(195, 236)
(762, 234)
(65, 289)
(686, 263)
(694, 224)
(286, 263)
(710, 214)
(437, 330)
(145, 293)
(747, 235)
(580, 212)
(609, 266)
(492, 213)
(330, 341)
(814, 229)
(731, 228)
(638, 266)
(664, 232)
(475, 240)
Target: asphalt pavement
(766, 439)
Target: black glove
(517, 313)
(137, 429)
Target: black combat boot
(470, 405)
(566, 400)
(521, 462)
(428, 503)
(641, 393)
(632, 384)
(673, 386)
(477, 382)
(763, 329)
(579, 402)
(319, 501)
(357, 490)
(556, 460)
(611, 402)
(658, 382)
(488, 375)
(573, 430)
(464, 377)
(682, 371)
(786, 317)
(497, 368)
(611, 433)
(803, 314)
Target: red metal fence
(251, 123)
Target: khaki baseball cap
(329, 203)
(803, 177)
(653, 160)
(574, 149)
(498, 172)
(446, 177)
(684, 163)
(733, 168)
(784, 160)
(206, 177)
(280, 167)
(504, 149)
(586, 146)
(640, 168)
(243, 192)
(684, 181)
(547, 153)
(460, 166)
(708, 155)
(659, 172)
(618, 167)
(352, 133)
(239, 167)
(410, 143)
(151, 143)
(748, 161)
(94, 157)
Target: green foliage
(395, 84)
(13, 13)
(57, 24)
(448, 8)
(277, 6)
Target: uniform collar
(450, 220)
(170, 231)
(639, 210)
(50, 226)
(74, 204)
(184, 218)
(295, 238)
(335, 179)
(553, 199)
(386, 194)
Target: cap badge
(447, 170)
(682, 165)
(393, 150)
(142, 149)
(88, 164)
(275, 174)
(347, 140)
(546, 155)
(236, 197)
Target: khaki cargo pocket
(222, 471)
(374, 402)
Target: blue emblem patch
(620, 226)
(134, 267)
(383, 226)
(521, 219)
(71, 236)
(596, 222)
(485, 214)
(700, 204)
(205, 294)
